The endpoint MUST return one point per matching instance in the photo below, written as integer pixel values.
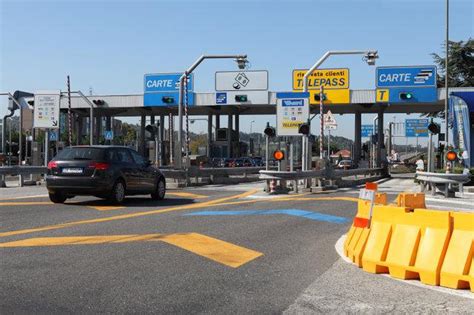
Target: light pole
(241, 62)
(369, 56)
(446, 86)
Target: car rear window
(70, 154)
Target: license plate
(72, 170)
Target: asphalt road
(195, 252)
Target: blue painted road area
(293, 212)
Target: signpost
(162, 89)
(292, 111)
(46, 113)
(334, 81)
(413, 84)
(329, 124)
(109, 135)
(241, 87)
(416, 128)
(367, 131)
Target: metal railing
(430, 180)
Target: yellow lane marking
(222, 252)
(127, 216)
(25, 203)
(105, 208)
(214, 249)
(186, 194)
(24, 197)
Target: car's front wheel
(117, 194)
(160, 190)
(57, 197)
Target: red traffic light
(278, 155)
(451, 156)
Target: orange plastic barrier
(458, 267)
(411, 200)
(359, 231)
(408, 245)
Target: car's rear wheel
(57, 197)
(117, 194)
(160, 190)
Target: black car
(109, 172)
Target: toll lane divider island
(409, 241)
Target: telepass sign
(292, 111)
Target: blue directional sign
(53, 135)
(108, 135)
(414, 84)
(162, 89)
(367, 131)
(416, 127)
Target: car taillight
(99, 166)
(52, 165)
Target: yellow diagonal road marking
(127, 216)
(186, 194)
(214, 249)
(222, 252)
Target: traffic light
(167, 99)
(152, 129)
(98, 102)
(31, 103)
(304, 129)
(241, 98)
(434, 128)
(451, 156)
(365, 148)
(278, 155)
(269, 131)
(406, 96)
(317, 97)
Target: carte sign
(162, 89)
(329, 79)
(292, 111)
(46, 111)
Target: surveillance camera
(242, 63)
(370, 57)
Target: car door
(128, 168)
(146, 173)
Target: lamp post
(241, 62)
(369, 56)
(446, 86)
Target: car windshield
(70, 154)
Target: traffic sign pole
(321, 113)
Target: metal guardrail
(431, 179)
(210, 172)
(323, 173)
(23, 170)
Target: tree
(460, 62)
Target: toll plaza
(246, 93)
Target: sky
(109, 45)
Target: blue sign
(367, 131)
(108, 135)
(221, 98)
(416, 127)
(293, 102)
(53, 135)
(162, 89)
(416, 76)
(165, 82)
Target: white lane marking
(339, 246)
